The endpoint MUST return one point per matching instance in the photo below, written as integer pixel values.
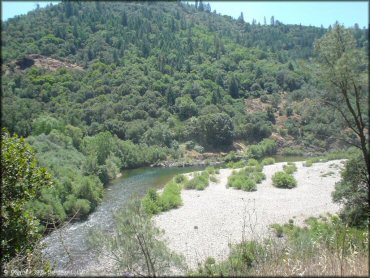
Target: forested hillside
(123, 85)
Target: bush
(171, 196)
(283, 180)
(252, 162)
(210, 170)
(247, 178)
(290, 168)
(268, 161)
(235, 165)
(151, 202)
(293, 151)
(231, 157)
(169, 199)
(257, 168)
(265, 147)
(200, 181)
(180, 178)
(307, 163)
(258, 176)
(240, 181)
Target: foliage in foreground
(352, 192)
(324, 247)
(134, 245)
(22, 180)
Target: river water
(67, 247)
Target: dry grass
(324, 263)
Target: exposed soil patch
(41, 61)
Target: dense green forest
(148, 82)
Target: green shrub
(210, 261)
(292, 151)
(169, 199)
(278, 229)
(258, 176)
(249, 185)
(213, 178)
(250, 169)
(151, 202)
(268, 161)
(210, 170)
(265, 147)
(180, 178)
(283, 180)
(200, 181)
(252, 162)
(307, 163)
(242, 182)
(171, 196)
(231, 157)
(290, 168)
(235, 165)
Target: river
(67, 248)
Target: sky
(10, 9)
(305, 13)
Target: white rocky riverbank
(211, 219)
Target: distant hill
(152, 69)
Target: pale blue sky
(10, 9)
(306, 13)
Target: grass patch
(283, 180)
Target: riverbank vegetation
(247, 178)
(97, 88)
(170, 197)
(283, 180)
(326, 246)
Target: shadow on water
(67, 247)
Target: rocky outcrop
(41, 61)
